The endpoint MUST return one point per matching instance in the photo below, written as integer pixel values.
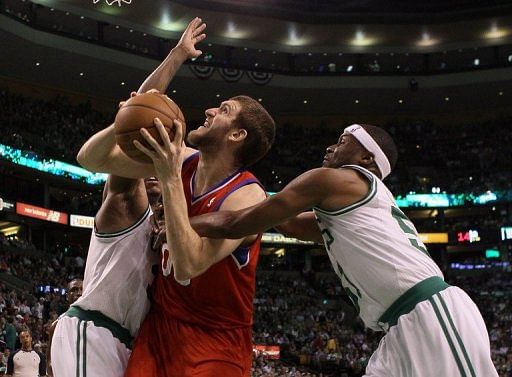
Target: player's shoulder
(328, 175)
(245, 196)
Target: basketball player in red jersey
(201, 316)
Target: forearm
(187, 247)
(221, 225)
(161, 77)
(96, 151)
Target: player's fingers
(144, 150)
(133, 94)
(178, 137)
(151, 140)
(196, 22)
(121, 103)
(198, 30)
(163, 133)
(199, 38)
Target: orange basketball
(139, 112)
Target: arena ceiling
(77, 66)
(315, 25)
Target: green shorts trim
(101, 320)
(407, 302)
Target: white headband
(371, 146)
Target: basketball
(139, 112)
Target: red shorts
(167, 347)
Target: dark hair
(385, 142)
(260, 127)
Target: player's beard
(202, 141)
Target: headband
(371, 146)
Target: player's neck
(212, 170)
(26, 349)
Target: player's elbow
(86, 161)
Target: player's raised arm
(101, 153)
(185, 49)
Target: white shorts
(444, 336)
(81, 349)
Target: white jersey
(375, 250)
(117, 274)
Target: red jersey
(222, 297)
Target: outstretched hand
(167, 157)
(192, 35)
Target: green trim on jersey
(124, 231)
(101, 320)
(422, 291)
(369, 196)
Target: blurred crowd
(452, 159)
(306, 314)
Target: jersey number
(409, 231)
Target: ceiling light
(38, 64)
(476, 62)
(167, 24)
(294, 39)
(131, 30)
(122, 83)
(426, 40)
(260, 99)
(361, 39)
(217, 95)
(305, 101)
(500, 93)
(350, 68)
(496, 32)
(82, 17)
(174, 90)
(446, 99)
(356, 101)
(81, 73)
(400, 101)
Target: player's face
(346, 151)
(218, 123)
(74, 291)
(25, 339)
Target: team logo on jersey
(211, 201)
